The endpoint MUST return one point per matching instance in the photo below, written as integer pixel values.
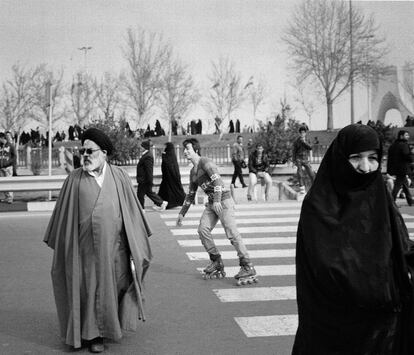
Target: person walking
(220, 206)
(145, 178)
(237, 159)
(354, 258)
(300, 156)
(99, 235)
(7, 161)
(398, 165)
(171, 189)
(11, 142)
(259, 169)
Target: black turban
(100, 138)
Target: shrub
(277, 138)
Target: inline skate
(215, 269)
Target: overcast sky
(247, 31)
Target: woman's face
(364, 162)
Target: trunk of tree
(169, 129)
(329, 105)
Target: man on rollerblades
(220, 206)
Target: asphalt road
(185, 314)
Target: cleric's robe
(94, 232)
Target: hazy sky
(247, 31)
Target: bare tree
(304, 99)
(17, 99)
(226, 93)
(82, 96)
(256, 94)
(318, 40)
(40, 111)
(108, 94)
(147, 55)
(178, 94)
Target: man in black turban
(99, 235)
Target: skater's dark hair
(401, 133)
(239, 136)
(303, 128)
(195, 143)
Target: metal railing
(221, 155)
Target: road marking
(20, 214)
(262, 270)
(196, 222)
(255, 254)
(247, 241)
(268, 326)
(270, 212)
(253, 294)
(249, 206)
(253, 230)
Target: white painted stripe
(253, 294)
(268, 326)
(255, 230)
(255, 254)
(249, 206)
(195, 222)
(262, 270)
(404, 215)
(20, 214)
(269, 212)
(247, 241)
(409, 224)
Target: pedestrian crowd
(354, 257)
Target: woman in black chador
(353, 257)
(171, 189)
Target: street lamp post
(351, 65)
(368, 37)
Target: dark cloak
(62, 235)
(353, 288)
(171, 189)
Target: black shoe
(244, 185)
(96, 345)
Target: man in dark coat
(99, 235)
(300, 157)
(145, 178)
(398, 165)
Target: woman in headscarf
(353, 258)
(171, 189)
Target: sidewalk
(39, 200)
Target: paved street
(185, 314)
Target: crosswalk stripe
(255, 254)
(262, 270)
(255, 230)
(254, 294)
(269, 212)
(195, 222)
(265, 326)
(249, 206)
(247, 241)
